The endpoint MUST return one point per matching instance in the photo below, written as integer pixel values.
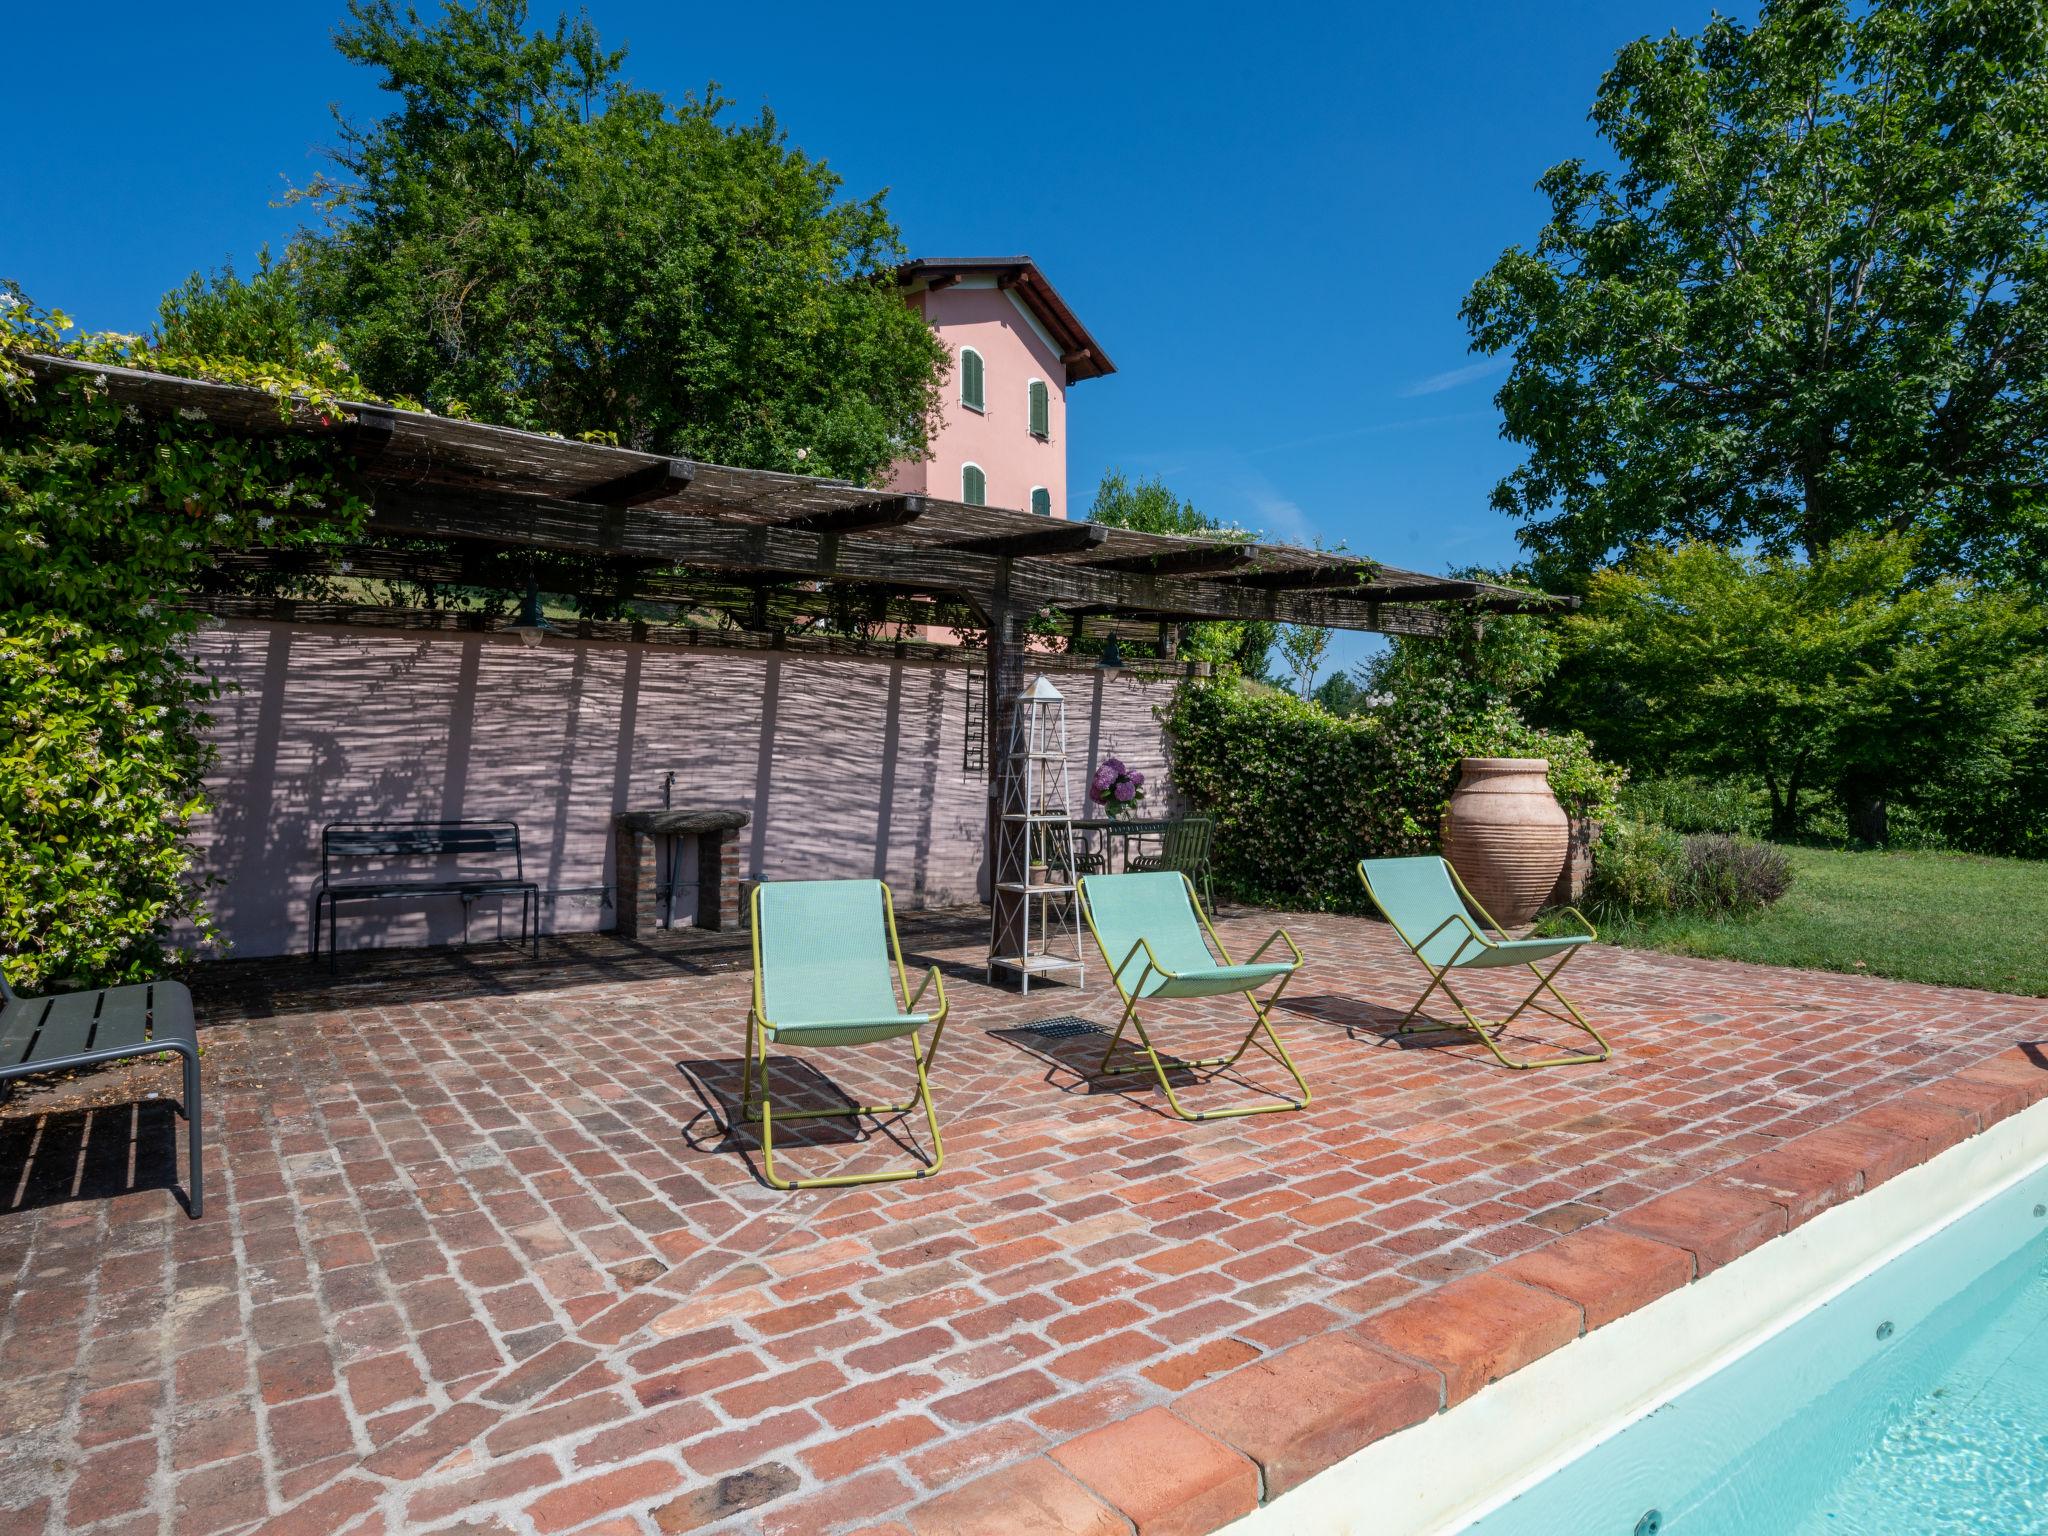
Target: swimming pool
(1915, 1403)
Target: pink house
(1016, 348)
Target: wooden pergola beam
(1182, 562)
(650, 482)
(884, 512)
(1058, 538)
(1358, 574)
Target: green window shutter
(1041, 501)
(971, 382)
(973, 487)
(1041, 409)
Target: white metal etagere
(1034, 855)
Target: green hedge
(108, 517)
(1300, 795)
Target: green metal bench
(81, 1029)
(411, 859)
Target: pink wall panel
(849, 767)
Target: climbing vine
(108, 515)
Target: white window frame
(1048, 499)
(963, 484)
(1042, 384)
(966, 404)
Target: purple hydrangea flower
(1126, 790)
(1115, 764)
(1138, 779)
(1104, 777)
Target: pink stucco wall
(975, 313)
(849, 767)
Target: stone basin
(681, 822)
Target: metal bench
(394, 846)
(79, 1029)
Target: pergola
(764, 546)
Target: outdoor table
(1122, 829)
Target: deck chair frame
(1472, 943)
(1261, 1022)
(762, 1030)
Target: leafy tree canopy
(530, 239)
(1848, 673)
(1807, 300)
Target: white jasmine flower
(191, 413)
(265, 522)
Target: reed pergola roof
(436, 477)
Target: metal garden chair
(1432, 912)
(822, 956)
(1183, 847)
(81, 1029)
(1151, 930)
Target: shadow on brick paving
(285, 985)
(797, 1085)
(89, 1154)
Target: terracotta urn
(1506, 835)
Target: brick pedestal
(638, 838)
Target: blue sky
(1267, 215)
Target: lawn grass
(1953, 919)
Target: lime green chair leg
(1260, 1023)
(920, 1059)
(1489, 1032)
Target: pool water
(1913, 1404)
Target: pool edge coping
(1327, 1429)
(1441, 1475)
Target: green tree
(1338, 694)
(1808, 299)
(262, 318)
(1303, 647)
(1843, 674)
(531, 239)
(1479, 661)
(1149, 506)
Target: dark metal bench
(394, 845)
(79, 1029)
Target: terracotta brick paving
(479, 1254)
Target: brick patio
(480, 1256)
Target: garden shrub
(1643, 870)
(1299, 795)
(106, 517)
(1639, 868)
(1732, 874)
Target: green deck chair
(1150, 930)
(1432, 912)
(822, 952)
